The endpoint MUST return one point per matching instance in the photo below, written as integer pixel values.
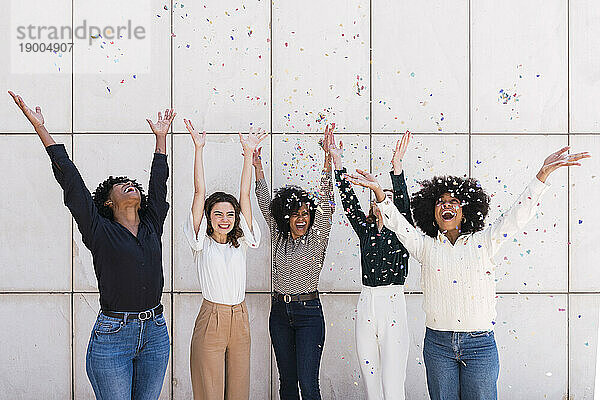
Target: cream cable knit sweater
(458, 281)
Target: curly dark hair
(475, 203)
(287, 201)
(102, 194)
(222, 197)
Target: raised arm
(159, 173)
(249, 143)
(401, 199)
(325, 204)
(408, 235)
(199, 140)
(35, 118)
(526, 206)
(350, 202)
(76, 195)
(263, 194)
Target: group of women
(446, 233)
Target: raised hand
(251, 141)
(559, 159)
(35, 117)
(336, 152)
(161, 127)
(327, 139)
(399, 152)
(257, 158)
(199, 139)
(364, 179)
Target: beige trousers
(220, 352)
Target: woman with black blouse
(381, 326)
(129, 346)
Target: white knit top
(458, 281)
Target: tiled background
(438, 69)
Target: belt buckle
(287, 298)
(145, 315)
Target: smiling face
(448, 213)
(124, 194)
(222, 218)
(300, 221)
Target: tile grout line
(568, 377)
(272, 150)
(72, 295)
(172, 367)
(370, 92)
(469, 83)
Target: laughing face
(222, 217)
(300, 221)
(125, 194)
(448, 213)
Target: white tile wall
(437, 69)
(583, 344)
(519, 68)
(536, 258)
(424, 91)
(25, 73)
(221, 61)
(107, 98)
(320, 65)
(38, 364)
(584, 227)
(39, 258)
(584, 63)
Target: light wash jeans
(127, 360)
(461, 365)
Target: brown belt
(288, 298)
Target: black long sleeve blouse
(128, 268)
(383, 259)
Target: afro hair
(288, 201)
(475, 203)
(222, 197)
(102, 194)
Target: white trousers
(382, 341)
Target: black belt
(288, 298)
(142, 316)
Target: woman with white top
(457, 272)
(220, 348)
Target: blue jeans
(127, 360)
(461, 365)
(298, 333)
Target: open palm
(363, 178)
(400, 150)
(198, 138)
(251, 141)
(161, 127)
(35, 117)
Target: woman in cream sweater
(457, 276)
